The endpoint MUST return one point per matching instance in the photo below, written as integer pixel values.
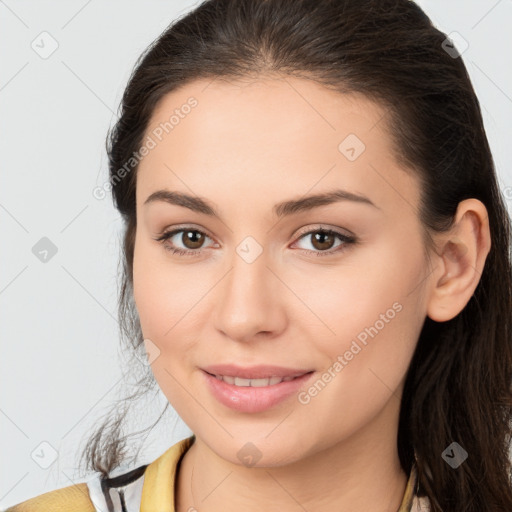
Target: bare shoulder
(74, 498)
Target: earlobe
(460, 261)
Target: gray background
(60, 363)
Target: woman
(316, 263)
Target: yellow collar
(160, 479)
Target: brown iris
(192, 237)
(323, 240)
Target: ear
(459, 261)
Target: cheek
(162, 309)
(372, 315)
(369, 288)
(376, 342)
(156, 293)
(168, 301)
(363, 372)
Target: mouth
(256, 383)
(255, 395)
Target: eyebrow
(283, 209)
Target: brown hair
(458, 384)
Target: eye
(192, 238)
(322, 241)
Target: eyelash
(348, 240)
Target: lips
(254, 399)
(255, 372)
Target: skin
(247, 146)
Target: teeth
(246, 382)
(255, 383)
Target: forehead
(270, 137)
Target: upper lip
(263, 371)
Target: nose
(249, 301)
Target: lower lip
(253, 399)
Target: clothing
(147, 489)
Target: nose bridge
(248, 302)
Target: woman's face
(261, 284)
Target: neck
(356, 474)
